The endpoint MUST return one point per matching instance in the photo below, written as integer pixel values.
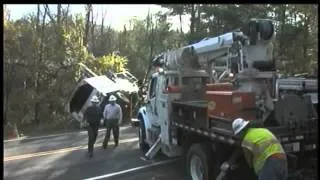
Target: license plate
(292, 147)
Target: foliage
(296, 28)
(111, 62)
(42, 50)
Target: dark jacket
(93, 115)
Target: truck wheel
(142, 138)
(199, 162)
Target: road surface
(64, 157)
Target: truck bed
(197, 104)
(192, 113)
(192, 117)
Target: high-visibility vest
(262, 143)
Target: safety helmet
(238, 125)
(94, 99)
(112, 98)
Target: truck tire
(199, 164)
(144, 147)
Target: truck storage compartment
(220, 87)
(228, 105)
(191, 113)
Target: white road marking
(55, 135)
(132, 169)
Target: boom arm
(227, 53)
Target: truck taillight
(236, 99)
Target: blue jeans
(274, 169)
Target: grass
(45, 129)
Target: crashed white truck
(102, 86)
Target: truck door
(152, 109)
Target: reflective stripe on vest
(262, 143)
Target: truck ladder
(154, 149)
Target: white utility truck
(198, 90)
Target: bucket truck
(198, 90)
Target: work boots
(90, 154)
(105, 145)
(116, 143)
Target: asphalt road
(64, 157)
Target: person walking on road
(113, 116)
(262, 151)
(92, 116)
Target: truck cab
(164, 88)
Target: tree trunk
(282, 30)
(59, 14)
(102, 26)
(305, 42)
(124, 34)
(120, 41)
(218, 25)
(16, 131)
(92, 34)
(65, 16)
(8, 84)
(5, 102)
(198, 29)
(88, 12)
(151, 40)
(192, 23)
(180, 19)
(38, 17)
(37, 71)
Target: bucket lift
(222, 56)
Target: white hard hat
(238, 125)
(94, 99)
(112, 98)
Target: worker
(92, 117)
(113, 116)
(262, 151)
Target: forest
(42, 50)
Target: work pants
(274, 169)
(111, 124)
(92, 134)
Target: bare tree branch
(88, 13)
(47, 11)
(102, 21)
(59, 14)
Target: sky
(115, 15)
